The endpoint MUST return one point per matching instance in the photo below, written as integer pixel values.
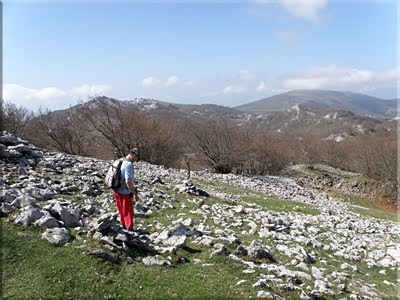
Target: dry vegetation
(106, 130)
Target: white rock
(56, 236)
(240, 282)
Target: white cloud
(14, 91)
(230, 89)
(211, 94)
(49, 96)
(149, 82)
(333, 77)
(308, 10)
(189, 82)
(244, 75)
(303, 9)
(87, 89)
(262, 87)
(172, 80)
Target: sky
(56, 54)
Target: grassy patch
(368, 209)
(33, 268)
(280, 205)
(221, 186)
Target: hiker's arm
(130, 179)
(130, 186)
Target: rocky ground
(312, 245)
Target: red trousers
(125, 208)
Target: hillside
(349, 101)
(214, 236)
(298, 119)
(171, 111)
(304, 120)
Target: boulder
(100, 253)
(317, 274)
(6, 208)
(56, 236)
(69, 216)
(155, 260)
(14, 153)
(28, 216)
(176, 241)
(257, 251)
(47, 221)
(220, 249)
(23, 201)
(20, 148)
(8, 195)
(9, 140)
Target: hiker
(124, 194)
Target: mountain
(349, 101)
(299, 119)
(173, 111)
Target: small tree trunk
(188, 168)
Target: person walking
(124, 195)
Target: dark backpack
(113, 176)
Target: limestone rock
(28, 216)
(56, 236)
(104, 255)
(151, 260)
(69, 216)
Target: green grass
(221, 186)
(33, 268)
(370, 210)
(280, 205)
(270, 202)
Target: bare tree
(106, 116)
(124, 129)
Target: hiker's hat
(136, 151)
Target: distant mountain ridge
(326, 99)
(299, 119)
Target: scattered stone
(69, 216)
(256, 251)
(6, 208)
(240, 282)
(56, 236)
(265, 294)
(151, 260)
(47, 221)
(28, 216)
(100, 253)
(220, 249)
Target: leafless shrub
(221, 145)
(272, 154)
(158, 140)
(61, 131)
(15, 119)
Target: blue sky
(55, 55)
